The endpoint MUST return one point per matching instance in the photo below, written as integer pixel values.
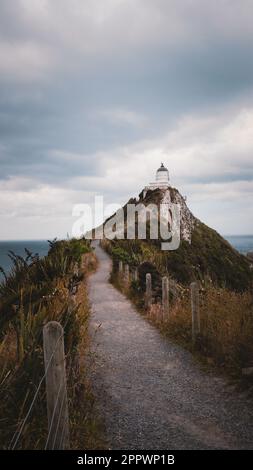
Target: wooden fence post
(120, 268)
(165, 295)
(126, 274)
(148, 296)
(135, 274)
(195, 310)
(56, 387)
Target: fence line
(20, 429)
(126, 274)
(32, 403)
(148, 296)
(194, 292)
(120, 268)
(53, 415)
(55, 382)
(62, 436)
(135, 274)
(65, 424)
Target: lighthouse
(162, 180)
(162, 176)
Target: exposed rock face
(172, 196)
(203, 254)
(187, 218)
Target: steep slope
(203, 254)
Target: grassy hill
(203, 254)
(226, 304)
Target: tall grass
(226, 337)
(35, 292)
(226, 319)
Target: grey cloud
(144, 64)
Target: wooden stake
(148, 299)
(126, 274)
(135, 274)
(57, 405)
(120, 268)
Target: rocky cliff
(203, 254)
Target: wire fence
(57, 412)
(126, 275)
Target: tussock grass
(37, 291)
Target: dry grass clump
(226, 318)
(227, 328)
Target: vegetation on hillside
(226, 320)
(226, 334)
(208, 257)
(224, 275)
(37, 291)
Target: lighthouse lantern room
(162, 180)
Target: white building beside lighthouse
(162, 180)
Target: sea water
(242, 243)
(39, 247)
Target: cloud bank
(96, 93)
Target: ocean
(243, 243)
(18, 247)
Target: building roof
(162, 168)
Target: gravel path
(150, 391)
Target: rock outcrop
(203, 254)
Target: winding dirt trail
(151, 393)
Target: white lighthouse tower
(162, 180)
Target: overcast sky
(94, 94)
